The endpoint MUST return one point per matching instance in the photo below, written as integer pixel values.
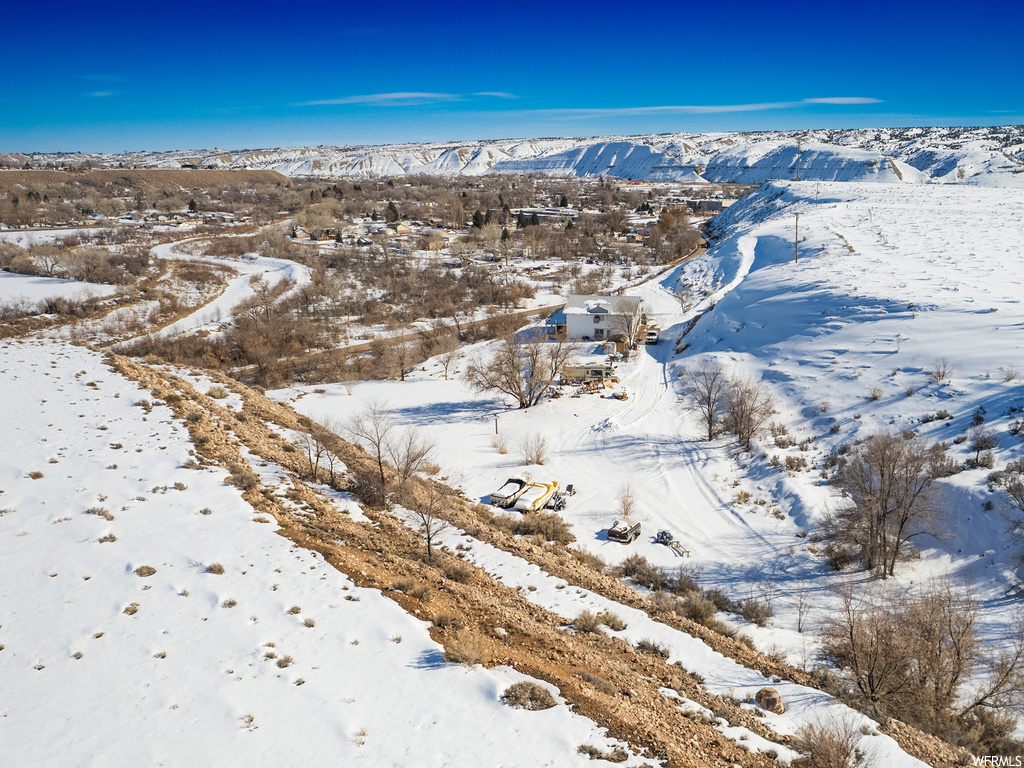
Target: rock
(770, 700)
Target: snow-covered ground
(890, 278)
(101, 664)
(252, 270)
(31, 288)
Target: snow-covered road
(250, 270)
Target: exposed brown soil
(533, 640)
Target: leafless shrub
(875, 393)
(598, 683)
(241, 477)
(830, 745)
(1010, 372)
(587, 621)
(217, 392)
(500, 444)
(145, 570)
(626, 498)
(617, 755)
(699, 609)
(215, 568)
(527, 695)
(446, 621)
(941, 370)
(467, 648)
(653, 648)
(533, 449)
(100, 512)
(548, 525)
(107, 538)
(229, 603)
(643, 572)
(612, 621)
(285, 661)
(459, 571)
(590, 560)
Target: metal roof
(615, 305)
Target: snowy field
(251, 270)
(120, 645)
(890, 278)
(31, 288)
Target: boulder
(769, 699)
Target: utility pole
(796, 241)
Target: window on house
(597, 319)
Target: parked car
(653, 337)
(509, 493)
(624, 532)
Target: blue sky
(118, 76)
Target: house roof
(591, 305)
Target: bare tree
(626, 318)
(1011, 480)
(408, 451)
(313, 448)
(915, 655)
(749, 405)
(372, 429)
(888, 479)
(523, 370)
(427, 514)
(709, 386)
(626, 498)
(402, 351)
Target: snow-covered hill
(890, 279)
(989, 156)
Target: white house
(598, 317)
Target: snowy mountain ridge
(982, 156)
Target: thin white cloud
(101, 94)
(398, 98)
(843, 100)
(699, 109)
(404, 98)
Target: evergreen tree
(391, 214)
(563, 203)
(478, 219)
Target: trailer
(535, 496)
(596, 372)
(509, 493)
